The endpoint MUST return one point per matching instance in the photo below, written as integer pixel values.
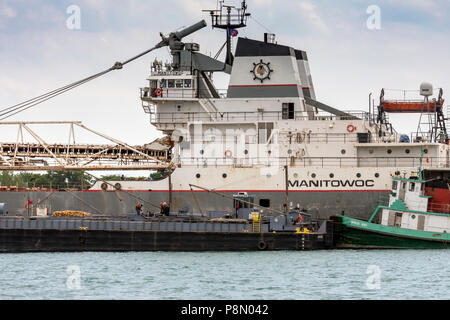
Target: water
(397, 274)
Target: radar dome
(426, 89)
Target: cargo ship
(266, 134)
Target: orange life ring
(351, 128)
(158, 92)
(228, 154)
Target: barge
(245, 229)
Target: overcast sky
(38, 53)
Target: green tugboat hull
(357, 234)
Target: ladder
(256, 222)
(209, 107)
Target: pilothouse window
(288, 111)
(171, 83)
(187, 83)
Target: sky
(348, 60)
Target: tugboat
(417, 216)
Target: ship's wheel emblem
(261, 71)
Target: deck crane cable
(126, 192)
(15, 109)
(232, 198)
(173, 39)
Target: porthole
(343, 151)
(377, 175)
(198, 175)
(289, 151)
(224, 176)
(413, 216)
(202, 151)
(425, 151)
(295, 175)
(313, 175)
(407, 151)
(389, 151)
(331, 175)
(371, 151)
(245, 151)
(358, 175)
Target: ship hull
(356, 234)
(320, 204)
(43, 240)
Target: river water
(286, 275)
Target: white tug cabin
(411, 206)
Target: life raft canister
(351, 128)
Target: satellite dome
(426, 89)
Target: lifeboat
(411, 106)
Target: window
(154, 84)
(162, 83)
(287, 111)
(187, 83)
(264, 203)
(394, 185)
(412, 185)
(171, 83)
(179, 83)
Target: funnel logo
(261, 71)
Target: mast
(225, 18)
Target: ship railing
(183, 117)
(439, 207)
(179, 93)
(44, 187)
(315, 162)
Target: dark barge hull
(42, 240)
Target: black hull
(26, 241)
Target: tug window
(163, 83)
(171, 83)
(394, 185)
(179, 83)
(412, 185)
